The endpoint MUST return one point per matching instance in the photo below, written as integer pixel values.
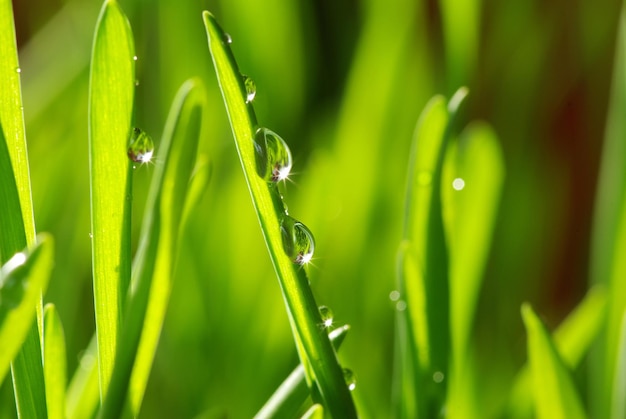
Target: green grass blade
(22, 281)
(314, 412)
(54, 363)
(573, 339)
(83, 392)
(554, 389)
(473, 178)
(423, 276)
(111, 90)
(291, 394)
(618, 406)
(154, 265)
(301, 306)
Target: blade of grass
(314, 412)
(22, 280)
(83, 393)
(555, 393)
(573, 339)
(54, 363)
(473, 178)
(154, 263)
(27, 367)
(301, 307)
(291, 394)
(618, 408)
(111, 90)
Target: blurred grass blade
(83, 393)
(22, 280)
(154, 264)
(111, 89)
(54, 363)
(554, 389)
(471, 187)
(423, 275)
(315, 349)
(315, 412)
(292, 393)
(573, 339)
(618, 408)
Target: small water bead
(327, 316)
(350, 378)
(141, 147)
(458, 184)
(250, 88)
(227, 38)
(401, 305)
(438, 377)
(394, 295)
(273, 157)
(19, 70)
(298, 241)
(134, 58)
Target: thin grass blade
(315, 412)
(83, 392)
(315, 349)
(554, 389)
(54, 363)
(618, 408)
(111, 90)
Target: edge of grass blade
(573, 338)
(155, 260)
(618, 405)
(54, 363)
(27, 273)
(314, 412)
(315, 350)
(83, 392)
(292, 393)
(555, 393)
(111, 92)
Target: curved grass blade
(154, 263)
(573, 339)
(22, 280)
(555, 393)
(54, 363)
(83, 392)
(314, 347)
(291, 394)
(111, 90)
(315, 412)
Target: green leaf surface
(315, 349)
(83, 392)
(111, 90)
(554, 389)
(54, 363)
(154, 264)
(314, 412)
(24, 277)
(618, 407)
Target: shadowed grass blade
(111, 90)
(554, 389)
(54, 363)
(154, 263)
(314, 347)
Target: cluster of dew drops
(273, 164)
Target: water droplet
(91, 235)
(401, 305)
(227, 38)
(298, 241)
(438, 377)
(250, 88)
(424, 177)
(394, 295)
(273, 158)
(350, 378)
(19, 70)
(458, 184)
(134, 58)
(327, 316)
(136, 82)
(141, 146)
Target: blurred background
(343, 83)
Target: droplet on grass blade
(350, 378)
(250, 88)
(273, 157)
(227, 38)
(298, 241)
(438, 377)
(327, 316)
(141, 147)
(458, 184)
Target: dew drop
(141, 147)
(327, 316)
(134, 58)
(438, 377)
(250, 88)
(424, 177)
(394, 295)
(458, 184)
(227, 38)
(401, 305)
(350, 378)
(273, 158)
(298, 241)
(19, 70)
